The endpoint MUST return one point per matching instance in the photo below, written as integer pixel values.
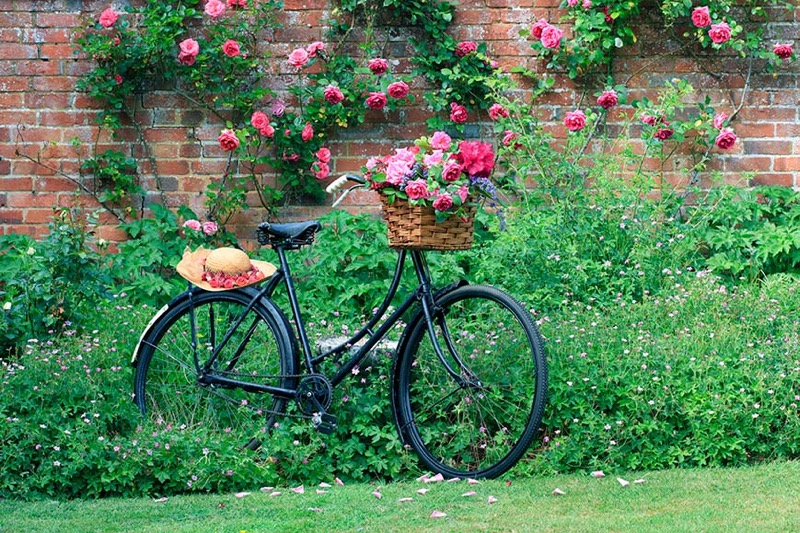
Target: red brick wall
(41, 112)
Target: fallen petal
(325, 485)
(377, 494)
(267, 489)
(320, 491)
(453, 479)
(623, 482)
(558, 492)
(423, 478)
(160, 500)
(491, 499)
(315, 509)
(405, 500)
(598, 473)
(638, 480)
(422, 491)
(471, 481)
(242, 494)
(273, 494)
(508, 483)
(470, 493)
(299, 490)
(435, 479)
(438, 514)
(339, 481)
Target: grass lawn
(763, 498)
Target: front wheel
(480, 419)
(168, 388)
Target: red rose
(478, 158)
(608, 99)
(228, 140)
(333, 95)
(662, 134)
(451, 171)
(458, 113)
(497, 111)
(650, 120)
(398, 89)
(378, 65)
(376, 100)
(726, 138)
(465, 48)
(443, 202)
(783, 51)
(308, 132)
(231, 48)
(700, 17)
(538, 26)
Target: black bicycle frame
(423, 294)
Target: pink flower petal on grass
(435, 479)
(242, 494)
(423, 478)
(377, 494)
(315, 509)
(491, 499)
(422, 491)
(401, 500)
(339, 481)
(470, 493)
(325, 485)
(160, 500)
(623, 482)
(299, 490)
(471, 481)
(452, 479)
(438, 514)
(598, 473)
(267, 489)
(274, 493)
(558, 492)
(638, 481)
(320, 491)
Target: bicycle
(469, 377)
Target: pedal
(325, 423)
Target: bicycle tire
(471, 431)
(166, 387)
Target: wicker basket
(415, 227)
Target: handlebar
(340, 181)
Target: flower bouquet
(430, 191)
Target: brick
(17, 51)
(16, 184)
(788, 163)
(11, 216)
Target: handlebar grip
(344, 178)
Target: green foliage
(752, 232)
(49, 283)
(115, 176)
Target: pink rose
(440, 141)
(308, 132)
(314, 48)
(588, 3)
(575, 120)
(700, 17)
(189, 50)
(396, 171)
(551, 37)
(608, 99)
(228, 140)
(259, 120)
(376, 100)
(465, 48)
(215, 8)
(664, 133)
(458, 113)
(291, 158)
(417, 189)
(451, 171)
(298, 58)
(538, 27)
(509, 137)
(650, 120)
(192, 224)
(398, 89)
(443, 202)
(324, 155)
(333, 95)
(572, 3)
(726, 138)
(108, 17)
(497, 111)
(321, 170)
(378, 65)
(719, 120)
(433, 159)
(233, 4)
(720, 33)
(210, 228)
(267, 131)
(478, 158)
(463, 193)
(783, 51)
(278, 108)
(231, 48)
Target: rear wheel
(481, 421)
(261, 350)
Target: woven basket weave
(415, 227)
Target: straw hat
(222, 269)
